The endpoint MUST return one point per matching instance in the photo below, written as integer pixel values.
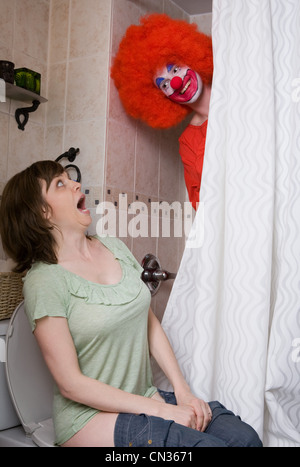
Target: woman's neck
(72, 246)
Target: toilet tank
(8, 415)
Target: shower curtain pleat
(233, 316)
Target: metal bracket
(25, 113)
(71, 156)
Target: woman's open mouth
(81, 205)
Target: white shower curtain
(234, 312)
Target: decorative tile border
(93, 195)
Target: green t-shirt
(108, 324)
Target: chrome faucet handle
(153, 274)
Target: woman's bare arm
(62, 362)
(162, 351)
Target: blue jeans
(224, 430)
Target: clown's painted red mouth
(190, 88)
(186, 87)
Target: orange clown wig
(158, 41)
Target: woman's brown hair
(25, 232)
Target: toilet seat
(29, 381)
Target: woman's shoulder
(42, 268)
(42, 274)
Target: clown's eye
(165, 85)
(176, 69)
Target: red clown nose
(176, 82)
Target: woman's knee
(229, 427)
(249, 437)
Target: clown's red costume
(191, 148)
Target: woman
(89, 311)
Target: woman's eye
(60, 183)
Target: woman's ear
(46, 212)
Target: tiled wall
(70, 42)
(78, 86)
(24, 41)
(142, 162)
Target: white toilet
(26, 387)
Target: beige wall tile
(56, 94)
(124, 13)
(54, 142)
(204, 22)
(59, 25)
(86, 89)
(24, 150)
(89, 137)
(147, 160)
(4, 138)
(174, 11)
(143, 246)
(90, 28)
(120, 163)
(170, 162)
(31, 28)
(152, 5)
(116, 109)
(6, 24)
(5, 52)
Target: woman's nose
(176, 82)
(76, 185)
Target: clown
(163, 72)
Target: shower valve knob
(153, 274)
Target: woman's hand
(183, 414)
(202, 410)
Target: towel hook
(71, 156)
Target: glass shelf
(21, 94)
